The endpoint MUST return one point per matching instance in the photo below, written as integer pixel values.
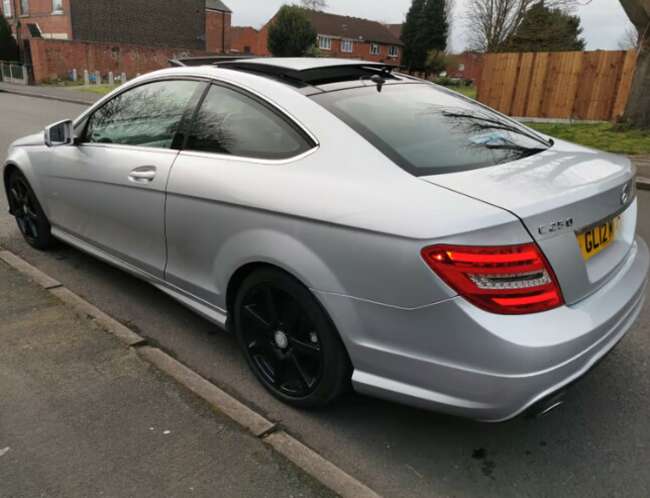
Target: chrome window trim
(246, 159)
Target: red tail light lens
(510, 280)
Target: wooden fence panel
(580, 85)
(520, 99)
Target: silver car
(352, 226)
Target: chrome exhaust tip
(546, 405)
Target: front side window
(429, 131)
(24, 7)
(147, 116)
(6, 8)
(346, 46)
(232, 123)
(374, 49)
(57, 6)
(324, 43)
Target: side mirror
(61, 133)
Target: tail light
(509, 280)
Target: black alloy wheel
(30, 218)
(288, 340)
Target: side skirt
(206, 310)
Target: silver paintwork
(350, 225)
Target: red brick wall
(217, 31)
(55, 58)
(40, 12)
(361, 50)
(243, 38)
(467, 66)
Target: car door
(235, 141)
(109, 190)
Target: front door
(109, 190)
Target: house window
(393, 51)
(374, 49)
(6, 8)
(24, 7)
(57, 6)
(346, 46)
(324, 43)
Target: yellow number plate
(596, 239)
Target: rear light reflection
(504, 279)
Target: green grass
(98, 89)
(468, 91)
(603, 136)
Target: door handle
(144, 174)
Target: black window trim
(302, 131)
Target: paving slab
(82, 415)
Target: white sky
(604, 21)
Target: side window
(229, 122)
(148, 115)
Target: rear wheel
(289, 341)
(31, 220)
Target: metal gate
(14, 72)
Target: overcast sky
(604, 21)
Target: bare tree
(492, 22)
(314, 4)
(630, 39)
(637, 112)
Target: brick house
(467, 66)
(191, 24)
(338, 36)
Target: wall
(467, 66)
(178, 23)
(245, 39)
(217, 31)
(361, 50)
(578, 85)
(55, 58)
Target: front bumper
(453, 357)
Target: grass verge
(604, 136)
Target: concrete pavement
(598, 444)
(60, 94)
(81, 415)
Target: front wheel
(288, 340)
(30, 218)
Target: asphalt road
(597, 445)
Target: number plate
(596, 239)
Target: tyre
(289, 341)
(31, 219)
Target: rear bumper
(455, 358)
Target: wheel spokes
(306, 381)
(282, 341)
(304, 347)
(271, 306)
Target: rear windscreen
(427, 130)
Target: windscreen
(427, 130)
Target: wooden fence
(576, 85)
